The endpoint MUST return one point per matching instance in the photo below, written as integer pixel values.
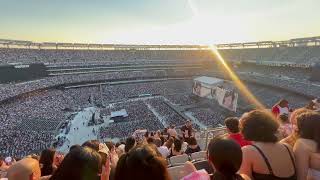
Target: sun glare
(238, 83)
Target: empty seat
(178, 160)
(199, 155)
(177, 172)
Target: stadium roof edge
(308, 41)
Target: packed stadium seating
(147, 84)
(16, 96)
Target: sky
(202, 22)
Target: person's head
(93, 144)
(181, 138)
(142, 162)
(130, 143)
(229, 95)
(316, 103)
(296, 113)
(158, 142)
(75, 146)
(146, 135)
(81, 163)
(232, 124)
(162, 140)
(193, 141)
(309, 126)
(310, 105)
(226, 157)
(9, 160)
(259, 126)
(150, 140)
(119, 143)
(283, 103)
(177, 145)
(158, 133)
(110, 146)
(25, 169)
(169, 142)
(188, 123)
(46, 161)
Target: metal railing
(203, 137)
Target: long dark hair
(229, 93)
(226, 156)
(177, 145)
(141, 162)
(309, 126)
(130, 142)
(46, 161)
(81, 163)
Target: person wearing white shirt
(164, 151)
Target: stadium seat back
(204, 165)
(178, 160)
(202, 155)
(177, 172)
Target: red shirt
(239, 139)
(275, 111)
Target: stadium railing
(203, 137)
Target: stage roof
(121, 113)
(210, 81)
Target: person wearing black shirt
(193, 146)
(187, 131)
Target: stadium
(171, 105)
(154, 79)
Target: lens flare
(236, 80)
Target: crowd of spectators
(306, 55)
(252, 148)
(23, 106)
(140, 116)
(301, 87)
(208, 117)
(31, 110)
(15, 89)
(168, 115)
(294, 80)
(302, 74)
(80, 56)
(303, 55)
